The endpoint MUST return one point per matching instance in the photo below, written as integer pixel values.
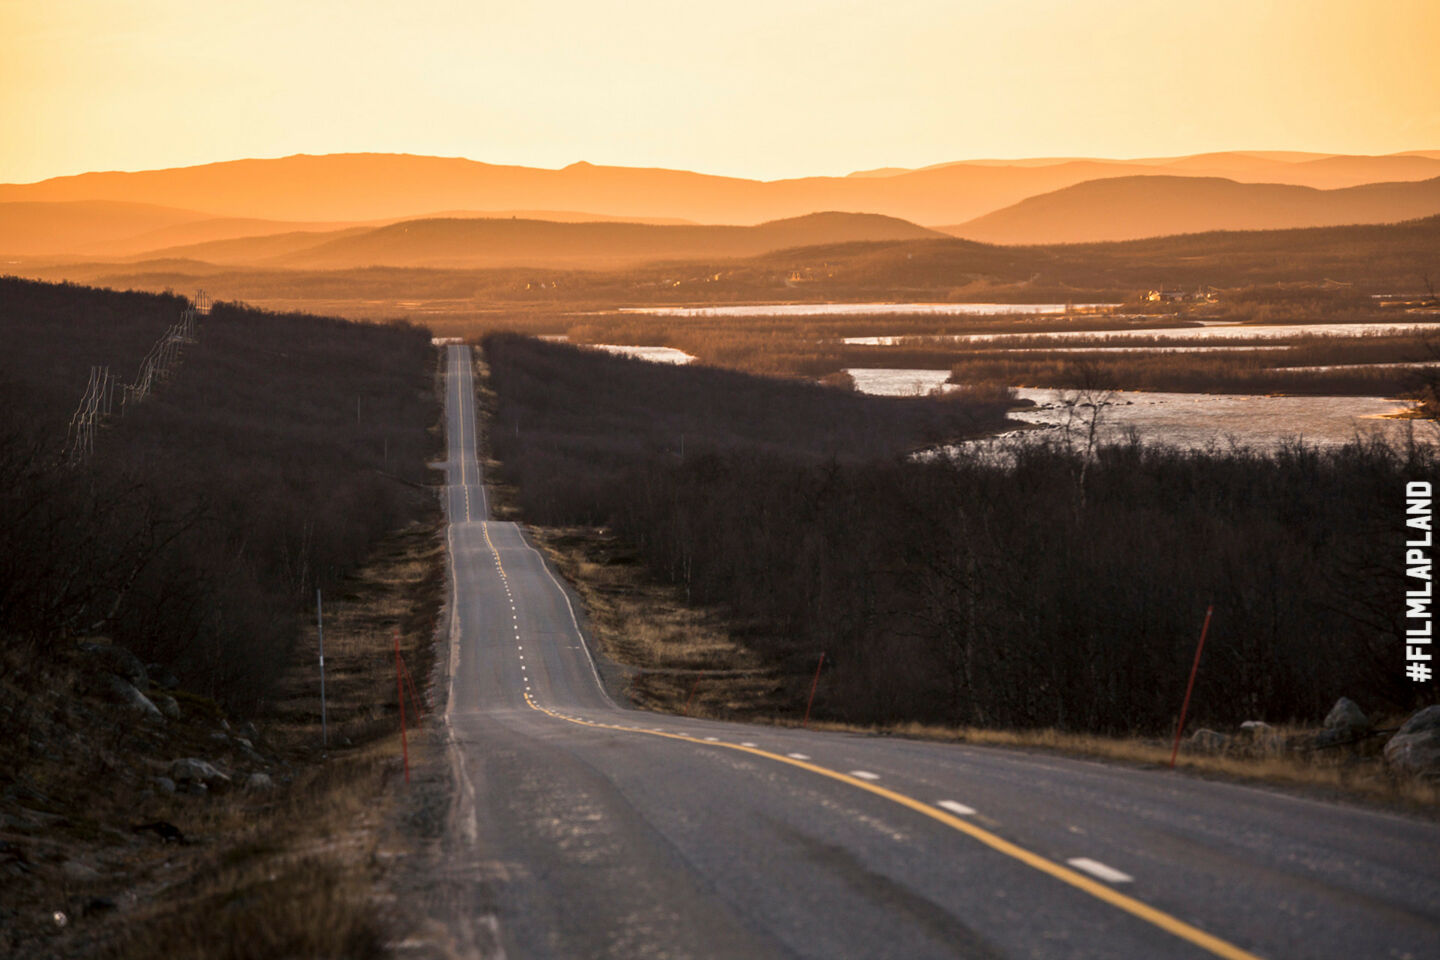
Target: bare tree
(1085, 407)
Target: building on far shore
(1201, 294)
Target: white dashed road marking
(956, 808)
(1098, 869)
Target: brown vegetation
(282, 454)
(1058, 588)
(286, 870)
(268, 465)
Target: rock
(1210, 741)
(189, 771)
(1347, 717)
(1415, 747)
(249, 731)
(164, 784)
(220, 738)
(124, 693)
(118, 661)
(75, 870)
(259, 782)
(245, 744)
(162, 677)
(1262, 736)
(1331, 738)
(167, 705)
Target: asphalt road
(609, 832)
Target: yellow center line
(1143, 911)
(1130, 905)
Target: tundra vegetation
(279, 453)
(1048, 585)
(162, 789)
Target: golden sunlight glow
(762, 88)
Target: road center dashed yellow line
(1130, 905)
(1143, 911)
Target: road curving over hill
(602, 831)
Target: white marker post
(320, 632)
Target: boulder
(167, 705)
(1415, 747)
(119, 661)
(259, 782)
(164, 784)
(1257, 728)
(192, 770)
(1347, 718)
(125, 694)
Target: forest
(1047, 584)
(276, 453)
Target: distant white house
(1202, 293)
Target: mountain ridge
(371, 186)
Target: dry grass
(690, 660)
(682, 659)
(289, 871)
(1356, 773)
(687, 661)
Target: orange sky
(759, 88)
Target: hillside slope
(1128, 208)
(487, 242)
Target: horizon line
(1043, 159)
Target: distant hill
(558, 216)
(1126, 208)
(111, 228)
(1375, 258)
(488, 242)
(29, 228)
(1320, 170)
(352, 188)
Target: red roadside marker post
(1185, 707)
(400, 698)
(815, 683)
(691, 697)
(414, 694)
